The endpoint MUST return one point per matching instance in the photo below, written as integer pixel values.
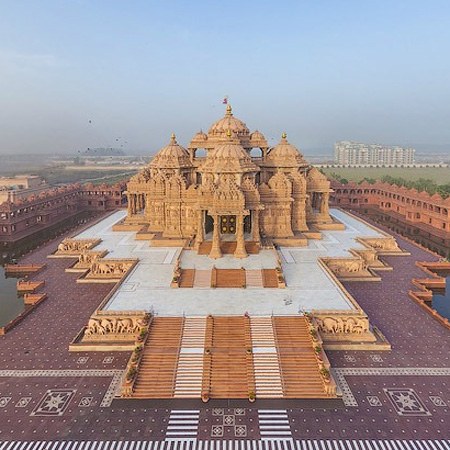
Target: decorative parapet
(104, 270)
(322, 359)
(363, 263)
(132, 369)
(383, 245)
(73, 248)
(370, 256)
(343, 326)
(115, 326)
(85, 260)
(350, 269)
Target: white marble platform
(309, 286)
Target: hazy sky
(320, 70)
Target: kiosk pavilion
(229, 195)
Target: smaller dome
(257, 136)
(257, 140)
(171, 156)
(229, 122)
(285, 154)
(200, 136)
(199, 140)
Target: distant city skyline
(127, 74)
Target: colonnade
(136, 203)
(318, 201)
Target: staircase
(265, 359)
(270, 278)
(230, 375)
(188, 382)
(299, 367)
(187, 278)
(253, 278)
(229, 278)
(202, 279)
(158, 366)
(229, 357)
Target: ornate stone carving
(349, 269)
(382, 244)
(74, 247)
(118, 326)
(87, 257)
(110, 268)
(342, 324)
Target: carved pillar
(240, 251)
(308, 208)
(215, 248)
(138, 202)
(255, 225)
(324, 203)
(199, 237)
(132, 204)
(129, 202)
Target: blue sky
(376, 71)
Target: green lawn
(440, 175)
(59, 175)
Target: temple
(229, 195)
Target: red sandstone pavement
(41, 342)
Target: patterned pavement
(51, 399)
(231, 445)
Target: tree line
(421, 184)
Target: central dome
(229, 157)
(229, 122)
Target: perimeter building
(348, 153)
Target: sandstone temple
(229, 195)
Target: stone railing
(132, 369)
(322, 359)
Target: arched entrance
(248, 223)
(209, 224)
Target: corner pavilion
(229, 194)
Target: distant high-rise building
(348, 153)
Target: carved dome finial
(173, 138)
(229, 110)
(284, 135)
